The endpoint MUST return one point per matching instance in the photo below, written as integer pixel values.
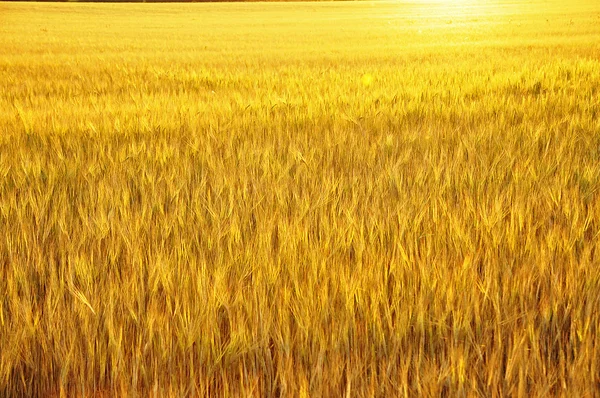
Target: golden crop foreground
(300, 199)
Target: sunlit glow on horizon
(455, 8)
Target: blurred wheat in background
(301, 199)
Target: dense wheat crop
(357, 199)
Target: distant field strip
(300, 199)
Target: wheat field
(364, 199)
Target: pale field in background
(300, 199)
